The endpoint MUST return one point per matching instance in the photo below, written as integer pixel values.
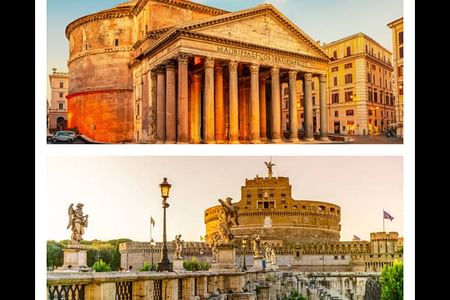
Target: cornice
(183, 4)
(106, 14)
(99, 51)
(177, 33)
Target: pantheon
(175, 71)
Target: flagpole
(383, 221)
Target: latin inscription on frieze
(262, 57)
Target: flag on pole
(386, 215)
(152, 221)
(356, 238)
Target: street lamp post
(165, 264)
(244, 246)
(152, 245)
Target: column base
(276, 141)
(255, 141)
(310, 139)
(264, 139)
(235, 142)
(160, 142)
(220, 142)
(171, 142)
(294, 140)
(210, 142)
(324, 139)
(196, 141)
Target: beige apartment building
(397, 45)
(57, 108)
(360, 89)
(360, 86)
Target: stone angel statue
(231, 219)
(179, 247)
(77, 222)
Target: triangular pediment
(263, 26)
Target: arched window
(61, 106)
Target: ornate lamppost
(165, 264)
(152, 246)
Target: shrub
(392, 282)
(101, 266)
(194, 265)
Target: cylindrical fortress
(267, 208)
(100, 94)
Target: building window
(116, 42)
(369, 78)
(312, 85)
(137, 110)
(61, 95)
(336, 113)
(61, 85)
(287, 105)
(349, 51)
(335, 82)
(376, 122)
(348, 96)
(314, 100)
(371, 51)
(86, 47)
(334, 69)
(348, 66)
(400, 90)
(374, 67)
(286, 91)
(335, 54)
(401, 52)
(400, 37)
(387, 99)
(370, 112)
(348, 78)
(349, 112)
(335, 98)
(370, 96)
(373, 79)
(400, 71)
(376, 96)
(342, 256)
(61, 106)
(335, 257)
(367, 49)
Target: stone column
(293, 119)
(254, 105)
(234, 105)
(308, 109)
(152, 103)
(220, 114)
(262, 109)
(276, 109)
(323, 108)
(161, 105)
(209, 101)
(171, 104)
(183, 108)
(195, 108)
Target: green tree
(101, 266)
(392, 282)
(194, 265)
(55, 255)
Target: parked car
(64, 136)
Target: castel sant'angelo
(305, 234)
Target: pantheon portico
(219, 80)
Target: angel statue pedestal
(75, 258)
(178, 264)
(258, 264)
(226, 258)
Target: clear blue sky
(120, 193)
(324, 20)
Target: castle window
(335, 257)
(266, 204)
(61, 85)
(297, 253)
(342, 256)
(249, 195)
(116, 42)
(61, 106)
(61, 95)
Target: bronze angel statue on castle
(77, 221)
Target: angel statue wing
(71, 212)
